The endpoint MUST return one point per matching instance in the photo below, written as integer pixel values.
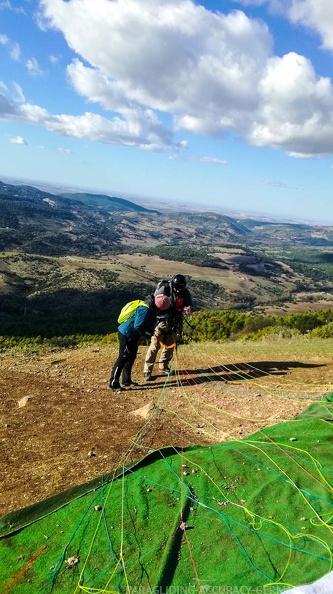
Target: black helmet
(178, 282)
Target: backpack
(166, 284)
(128, 310)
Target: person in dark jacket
(141, 323)
(169, 324)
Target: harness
(171, 346)
(172, 317)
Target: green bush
(202, 326)
(322, 332)
(275, 333)
(56, 342)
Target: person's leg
(151, 356)
(167, 351)
(120, 362)
(132, 351)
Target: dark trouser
(128, 349)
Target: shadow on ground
(227, 373)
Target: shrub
(322, 332)
(275, 333)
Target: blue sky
(225, 104)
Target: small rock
(71, 561)
(24, 401)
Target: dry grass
(138, 269)
(61, 426)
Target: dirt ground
(60, 425)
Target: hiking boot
(115, 386)
(165, 370)
(130, 383)
(147, 376)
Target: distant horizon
(167, 203)
(226, 105)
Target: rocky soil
(60, 425)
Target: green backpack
(129, 309)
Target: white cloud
(34, 68)
(95, 86)
(302, 155)
(8, 109)
(6, 5)
(296, 108)
(317, 15)
(33, 114)
(137, 128)
(283, 186)
(15, 52)
(19, 92)
(64, 150)
(213, 73)
(212, 160)
(14, 48)
(180, 51)
(140, 129)
(17, 140)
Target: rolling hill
(69, 261)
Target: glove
(162, 326)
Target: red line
(16, 579)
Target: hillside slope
(60, 425)
(69, 262)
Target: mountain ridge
(68, 264)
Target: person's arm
(188, 300)
(142, 320)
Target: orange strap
(167, 347)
